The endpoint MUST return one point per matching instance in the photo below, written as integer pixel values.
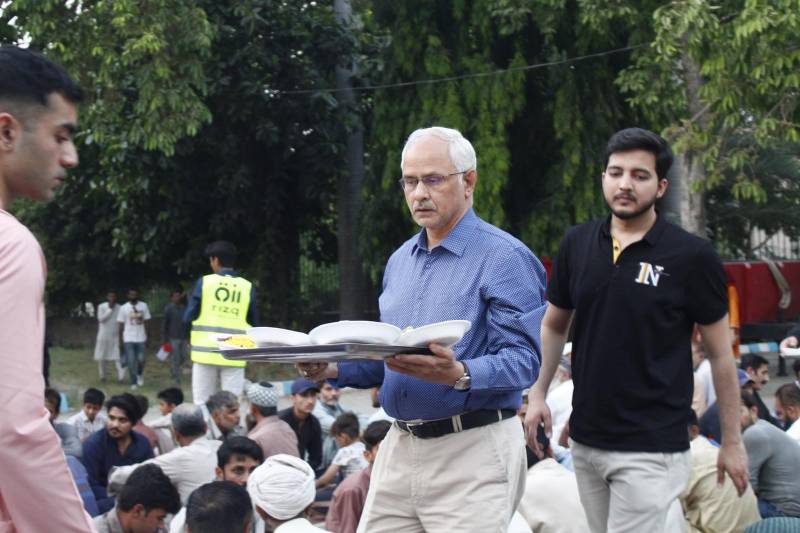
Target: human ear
(9, 127)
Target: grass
(72, 371)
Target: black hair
(375, 433)
(641, 139)
(144, 403)
(218, 507)
(53, 396)
(752, 360)
(345, 424)
(150, 487)
(93, 396)
(172, 395)
(749, 399)
(224, 251)
(788, 394)
(128, 404)
(238, 446)
(27, 77)
(270, 410)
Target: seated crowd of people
(307, 467)
(210, 469)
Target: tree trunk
(692, 199)
(348, 203)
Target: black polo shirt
(631, 358)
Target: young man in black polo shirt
(636, 285)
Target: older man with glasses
(455, 458)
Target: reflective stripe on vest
(224, 304)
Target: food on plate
(238, 341)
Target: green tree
(715, 71)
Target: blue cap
(301, 386)
(743, 377)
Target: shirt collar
(456, 241)
(651, 237)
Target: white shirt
(84, 426)
(298, 525)
(703, 374)
(162, 427)
(559, 400)
(380, 414)
(350, 459)
(794, 430)
(551, 503)
(108, 327)
(133, 318)
(187, 467)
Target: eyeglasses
(432, 182)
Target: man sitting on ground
(116, 445)
(707, 504)
(223, 412)
(787, 406)
(237, 458)
(282, 490)
(141, 427)
(305, 425)
(350, 457)
(774, 461)
(349, 497)
(550, 503)
(90, 418)
(219, 507)
(168, 400)
(270, 432)
(326, 410)
(143, 503)
(757, 369)
(70, 443)
(190, 465)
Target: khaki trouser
(470, 481)
(631, 492)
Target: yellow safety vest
(223, 309)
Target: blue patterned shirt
(477, 273)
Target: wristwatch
(464, 382)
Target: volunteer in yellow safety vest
(222, 302)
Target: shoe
(140, 381)
(134, 387)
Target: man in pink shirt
(270, 432)
(37, 121)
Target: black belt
(455, 424)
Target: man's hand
(318, 371)
(788, 342)
(538, 414)
(733, 460)
(441, 367)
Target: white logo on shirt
(649, 274)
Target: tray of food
(338, 341)
(319, 352)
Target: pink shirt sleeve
(34, 476)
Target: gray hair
(462, 154)
(188, 420)
(220, 400)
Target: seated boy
(349, 497)
(350, 457)
(90, 418)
